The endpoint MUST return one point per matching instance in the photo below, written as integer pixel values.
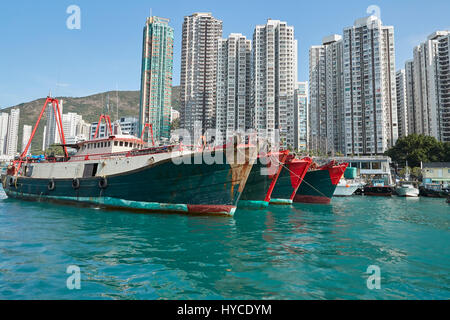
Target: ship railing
(101, 156)
(125, 154)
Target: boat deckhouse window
(121, 143)
(115, 143)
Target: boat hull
(263, 179)
(378, 191)
(161, 187)
(345, 190)
(256, 188)
(407, 192)
(432, 193)
(319, 185)
(290, 179)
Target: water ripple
(297, 252)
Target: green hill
(89, 107)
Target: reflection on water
(295, 252)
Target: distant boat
(433, 190)
(346, 188)
(348, 184)
(319, 183)
(407, 190)
(378, 189)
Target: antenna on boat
(117, 100)
(106, 104)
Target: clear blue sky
(39, 53)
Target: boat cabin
(113, 144)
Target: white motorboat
(346, 188)
(407, 190)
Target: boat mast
(57, 112)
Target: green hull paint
(165, 186)
(281, 201)
(252, 204)
(116, 203)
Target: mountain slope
(89, 107)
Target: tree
(403, 171)
(419, 148)
(175, 124)
(416, 172)
(54, 150)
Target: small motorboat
(378, 188)
(407, 190)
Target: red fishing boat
(319, 183)
(292, 174)
(263, 179)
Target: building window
(365, 165)
(376, 165)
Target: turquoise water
(297, 252)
